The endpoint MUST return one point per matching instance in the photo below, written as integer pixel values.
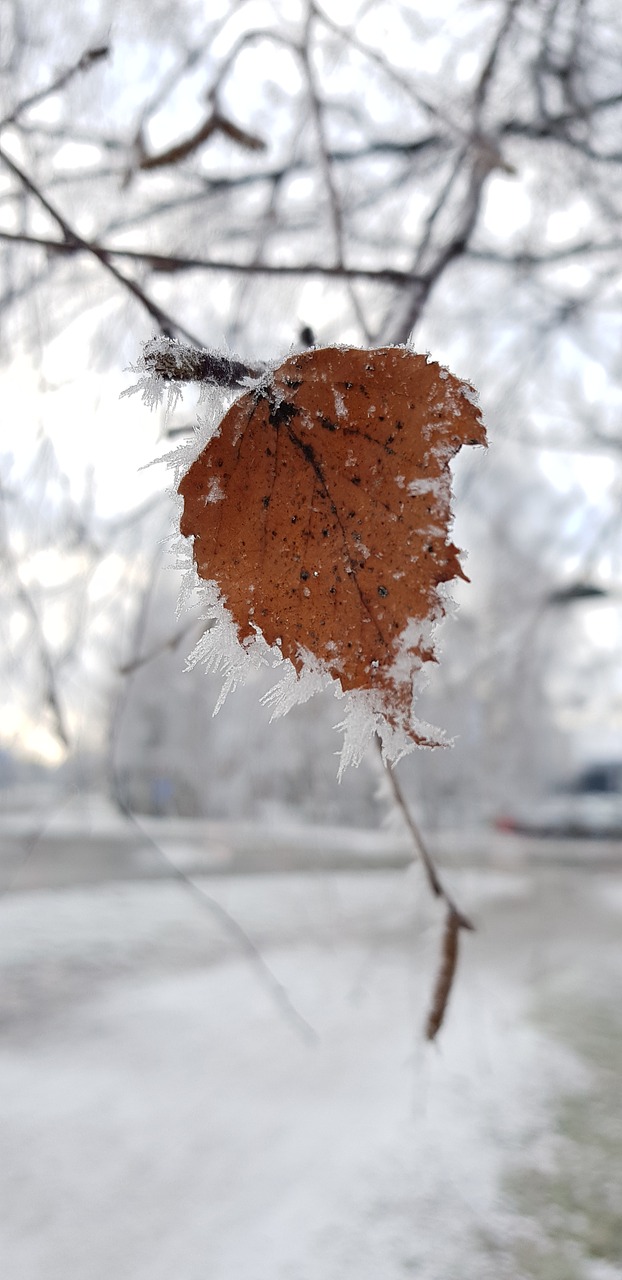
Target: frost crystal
(153, 388)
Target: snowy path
(161, 1120)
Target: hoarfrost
(365, 718)
(294, 689)
(470, 394)
(340, 406)
(152, 388)
(219, 649)
(365, 711)
(436, 486)
(215, 493)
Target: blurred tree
(265, 175)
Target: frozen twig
(173, 361)
(455, 919)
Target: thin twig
(488, 70)
(165, 323)
(433, 878)
(455, 919)
(84, 63)
(166, 646)
(215, 123)
(268, 979)
(32, 842)
(270, 982)
(51, 694)
(170, 264)
(445, 975)
(317, 111)
(349, 37)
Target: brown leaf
(322, 507)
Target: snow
(164, 1118)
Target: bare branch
(165, 323)
(171, 264)
(169, 645)
(434, 880)
(489, 67)
(553, 126)
(271, 984)
(215, 123)
(84, 63)
(484, 156)
(317, 112)
(455, 919)
(349, 37)
(445, 976)
(51, 695)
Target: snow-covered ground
(167, 1114)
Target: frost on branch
(320, 512)
(165, 365)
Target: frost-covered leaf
(321, 510)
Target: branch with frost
(167, 361)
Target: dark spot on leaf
(281, 415)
